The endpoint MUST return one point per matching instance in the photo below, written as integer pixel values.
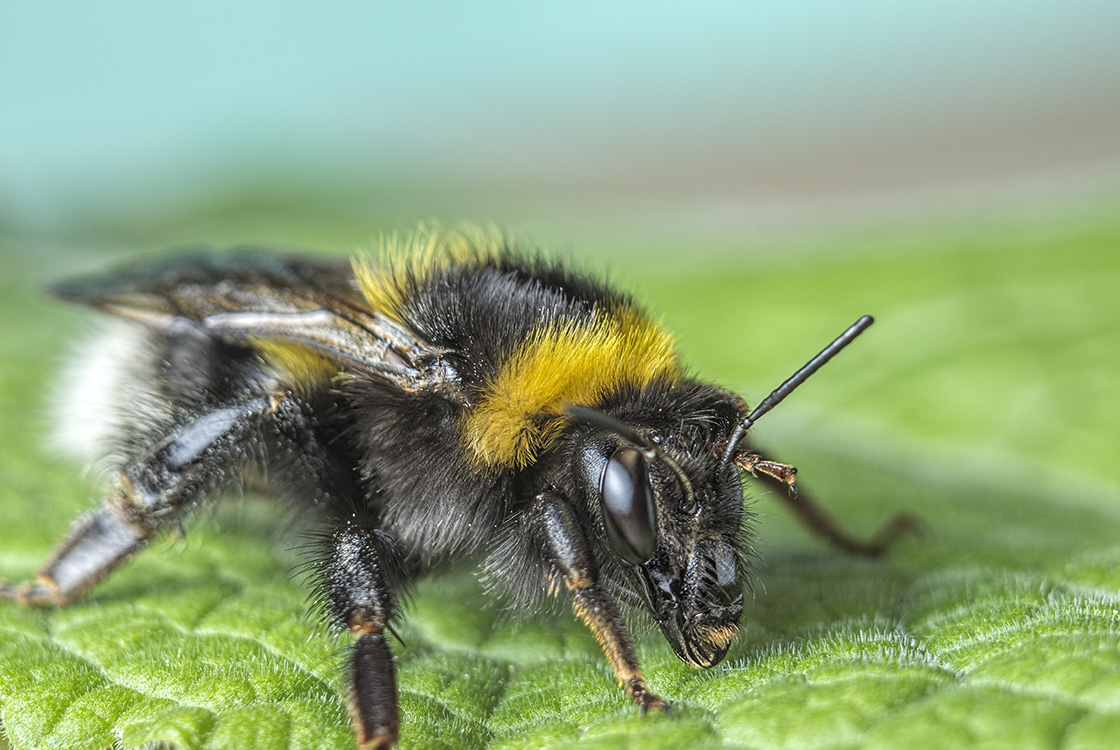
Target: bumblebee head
(672, 516)
(671, 507)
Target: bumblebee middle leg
(354, 585)
(150, 492)
(357, 568)
(819, 521)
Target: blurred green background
(760, 175)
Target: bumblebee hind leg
(99, 544)
(149, 493)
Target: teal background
(645, 113)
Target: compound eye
(627, 500)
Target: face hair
(799, 377)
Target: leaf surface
(984, 401)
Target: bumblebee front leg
(150, 492)
(592, 604)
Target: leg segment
(151, 491)
(374, 711)
(99, 544)
(591, 603)
(811, 514)
(353, 584)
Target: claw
(640, 694)
(32, 593)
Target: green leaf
(983, 400)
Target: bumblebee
(454, 398)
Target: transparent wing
(253, 294)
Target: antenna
(799, 377)
(606, 422)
